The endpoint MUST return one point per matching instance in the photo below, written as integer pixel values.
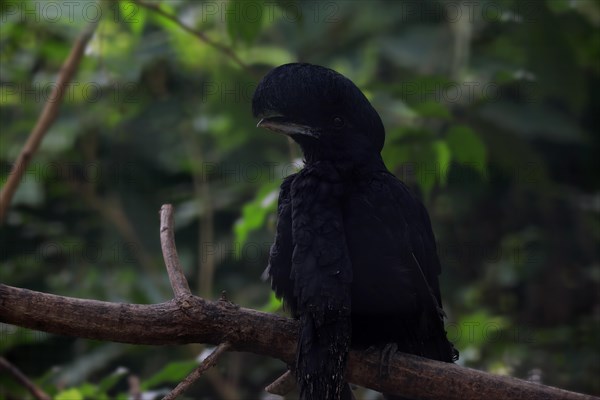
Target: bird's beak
(287, 127)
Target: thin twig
(23, 380)
(227, 51)
(167, 241)
(197, 373)
(46, 118)
(282, 385)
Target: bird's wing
(322, 275)
(396, 296)
(280, 255)
(425, 249)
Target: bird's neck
(351, 166)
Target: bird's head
(323, 111)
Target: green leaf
(167, 24)
(90, 391)
(244, 19)
(476, 329)
(69, 394)
(172, 372)
(430, 159)
(432, 165)
(467, 148)
(433, 109)
(273, 305)
(443, 156)
(255, 212)
(133, 16)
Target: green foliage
(478, 328)
(255, 212)
(173, 372)
(97, 392)
(244, 19)
(415, 149)
(273, 305)
(467, 148)
(432, 109)
(134, 16)
(491, 118)
(71, 394)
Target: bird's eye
(338, 122)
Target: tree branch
(197, 373)
(179, 284)
(191, 319)
(282, 385)
(46, 118)
(195, 320)
(20, 377)
(225, 50)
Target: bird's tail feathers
(323, 346)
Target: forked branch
(191, 319)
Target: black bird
(354, 256)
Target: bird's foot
(387, 352)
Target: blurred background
(491, 110)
